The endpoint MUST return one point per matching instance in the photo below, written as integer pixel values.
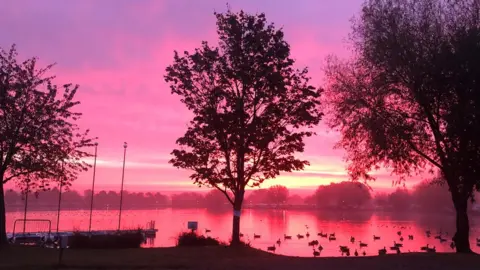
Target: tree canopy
(40, 142)
(343, 195)
(277, 194)
(408, 99)
(252, 108)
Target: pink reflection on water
(271, 225)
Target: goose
(397, 244)
(443, 240)
(332, 234)
(410, 237)
(424, 248)
(241, 234)
(363, 244)
(207, 230)
(320, 247)
(394, 248)
(376, 237)
(332, 238)
(287, 236)
(324, 235)
(299, 236)
(344, 249)
(382, 251)
(352, 239)
(438, 237)
(347, 253)
(313, 243)
(255, 236)
(428, 232)
(364, 253)
(356, 253)
(399, 233)
(279, 242)
(431, 250)
(316, 253)
(272, 248)
(401, 238)
(307, 234)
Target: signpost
(63, 245)
(192, 225)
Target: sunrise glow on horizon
(117, 52)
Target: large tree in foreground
(409, 99)
(252, 108)
(39, 140)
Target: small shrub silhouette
(186, 239)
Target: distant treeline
(336, 196)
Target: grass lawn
(220, 258)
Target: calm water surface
(271, 225)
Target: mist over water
(271, 225)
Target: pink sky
(117, 52)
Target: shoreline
(15, 257)
(246, 207)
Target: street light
(121, 189)
(60, 197)
(93, 188)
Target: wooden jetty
(47, 236)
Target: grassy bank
(220, 258)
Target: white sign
(192, 225)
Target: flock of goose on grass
(345, 250)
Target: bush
(189, 239)
(243, 244)
(109, 241)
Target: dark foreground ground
(220, 258)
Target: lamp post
(93, 188)
(59, 199)
(27, 190)
(121, 189)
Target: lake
(271, 225)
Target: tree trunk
(3, 218)
(461, 237)
(237, 208)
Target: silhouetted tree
(252, 108)
(295, 200)
(277, 194)
(39, 140)
(381, 199)
(409, 99)
(430, 196)
(215, 199)
(187, 199)
(342, 195)
(400, 199)
(257, 196)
